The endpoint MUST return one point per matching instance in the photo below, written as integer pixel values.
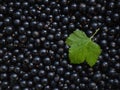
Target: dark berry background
(33, 53)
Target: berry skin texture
(33, 53)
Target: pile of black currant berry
(33, 53)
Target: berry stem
(94, 33)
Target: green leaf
(93, 53)
(76, 37)
(82, 48)
(76, 57)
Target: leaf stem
(94, 33)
